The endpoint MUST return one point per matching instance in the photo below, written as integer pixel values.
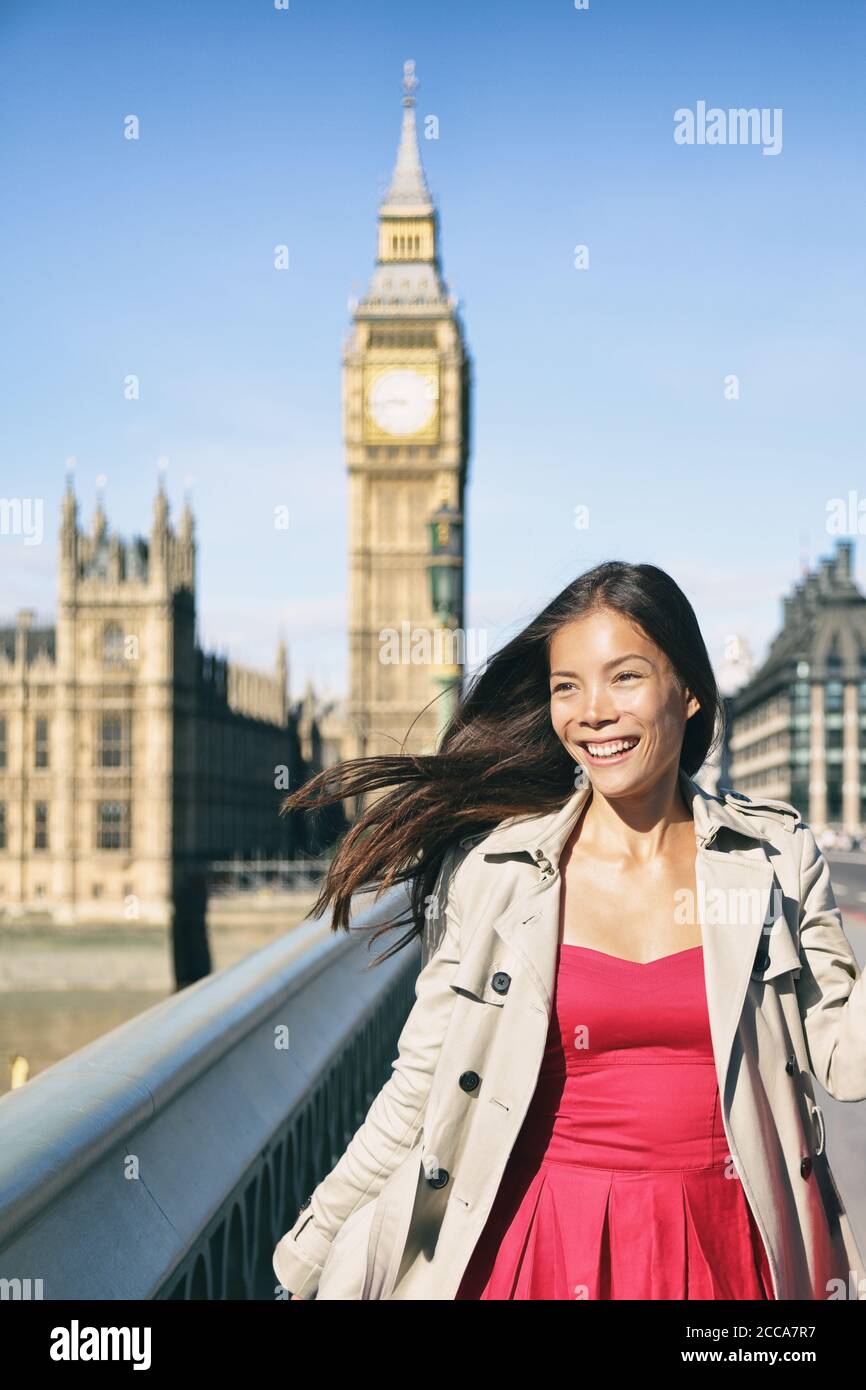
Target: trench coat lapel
(736, 905)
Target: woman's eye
(569, 685)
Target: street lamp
(446, 596)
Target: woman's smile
(605, 752)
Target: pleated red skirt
(620, 1184)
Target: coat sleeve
(395, 1116)
(831, 989)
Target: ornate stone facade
(130, 758)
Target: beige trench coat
(400, 1214)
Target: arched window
(112, 645)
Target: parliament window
(40, 825)
(112, 645)
(113, 743)
(112, 825)
(40, 758)
(2, 743)
(2, 824)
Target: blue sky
(602, 387)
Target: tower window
(112, 825)
(40, 825)
(113, 740)
(40, 751)
(392, 336)
(112, 645)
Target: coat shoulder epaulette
(766, 807)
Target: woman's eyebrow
(617, 661)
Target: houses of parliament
(130, 759)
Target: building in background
(406, 388)
(798, 727)
(130, 759)
(734, 671)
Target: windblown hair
(499, 755)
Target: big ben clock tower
(406, 424)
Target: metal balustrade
(240, 876)
(166, 1159)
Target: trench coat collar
(543, 836)
(736, 948)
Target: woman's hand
(294, 1296)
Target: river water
(63, 986)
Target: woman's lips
(608, 759)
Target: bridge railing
(271, 875)
(166, 1158)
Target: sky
(605, 387)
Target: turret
(159, 536)
(185, 547)
(68, 538)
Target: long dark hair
(499, 755)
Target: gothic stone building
(798, 728)
(129, 757)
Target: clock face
(403, 401)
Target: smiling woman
(554, 1127)
(607, 702)
(513, 743)
(619, 707)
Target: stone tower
(406, 389)
(125, 644)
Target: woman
(603, 1090)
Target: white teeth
(608, 750)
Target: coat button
(762, 960)
(501, 982)
(789, 1065)
(805, 1166)
(439, 1178)
(469, 1080)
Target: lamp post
(446, 595)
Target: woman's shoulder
(767, 808)
(783, 825)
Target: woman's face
(610, 683)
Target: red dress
(620, 1184)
